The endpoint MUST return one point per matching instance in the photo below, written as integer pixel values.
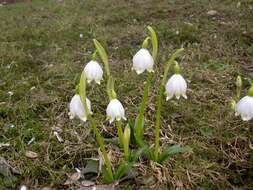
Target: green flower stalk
(142, 61)
(114, 109)
(82, 93)
(238, 87)
(160, 99)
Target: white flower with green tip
(176, 85)
(93, 71)
(77, 110)
(115, 110)
(244, 107)
(142, 61)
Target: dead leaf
(31, 154)
(91, 167)
(73, 178)
(6, 169)
(87, 183)
(46, 188)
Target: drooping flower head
(77, 110)
(244, 107)
(176, 85)
(142, 61)
(93, 71)
(115, 110)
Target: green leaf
(122, 170)
(103, 55)
(106, 175)
(154, 42)
(135, 155)
(151, 154)
(206, 131)
(172, 150)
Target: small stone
(10, 93)
(23, 187)
(31, 154)
(212, 12)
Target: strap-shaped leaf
(107, 175)
(135, 155)
(122, 170)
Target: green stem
(158, 121)
(160, 101)
(154, 42)
(140, 117)
(238, 87)
(103, 55)
(145, 43)
(120, 134)
(102, 147)
(82, 93)
(110, 88)
(94, 55)
(169, 63)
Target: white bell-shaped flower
(93, 71)
(115, 110)
(177, 86)
(244, 108)
(142, 61)
(76, 108)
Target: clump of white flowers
(115, 110)
(176, 85)
(244, 107)
(143, 60)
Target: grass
(42, 57)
